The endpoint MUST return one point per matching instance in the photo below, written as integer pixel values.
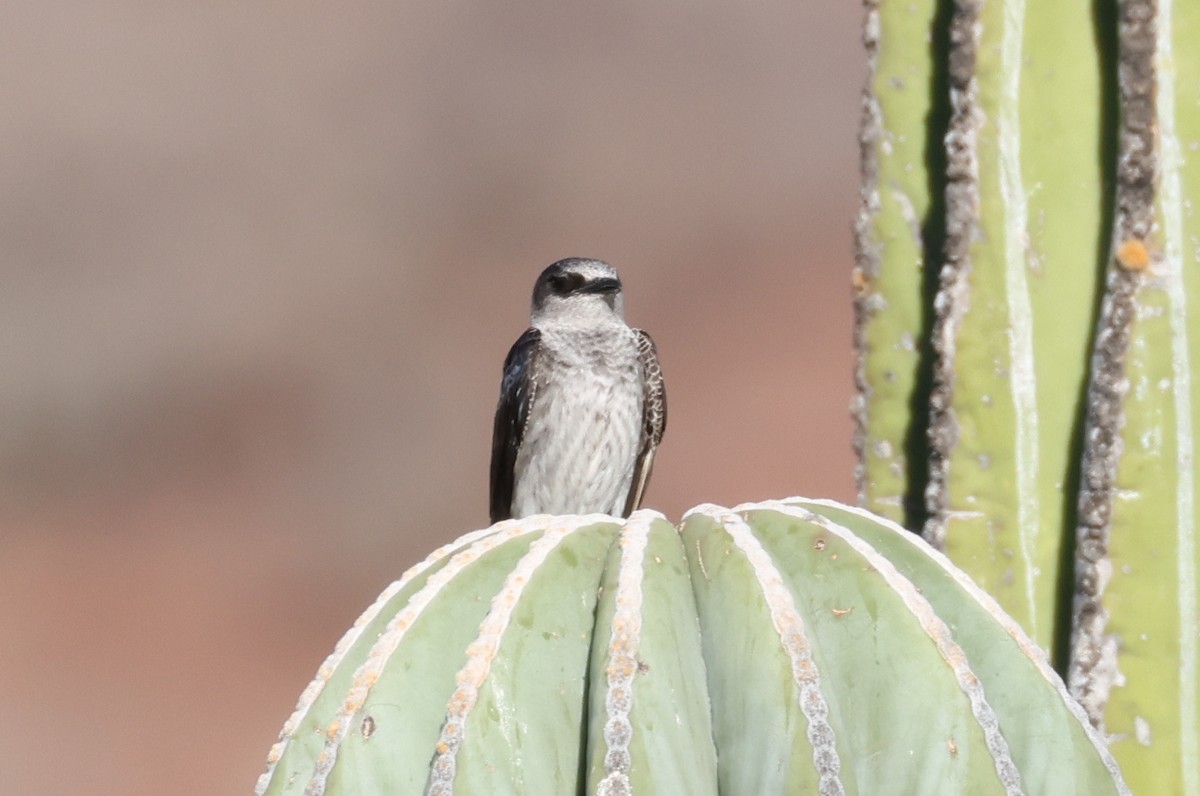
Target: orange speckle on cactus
(1133, 255)
(459, 702)
(333, 729)
(859, 281)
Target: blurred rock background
(260, 264)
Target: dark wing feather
(517, 392)
(654, 420)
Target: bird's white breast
(581, 443)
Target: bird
(582, 404)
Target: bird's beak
(602, 286)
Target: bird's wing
(518, 389)
(654, 420)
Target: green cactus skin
(1025, 231)
(649, 703)
(1025, 144)
(1063, 407)
(981, 629)
(892, 245)
(794, 646)
(436, 588)
(1137, 617)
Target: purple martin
(582, 404)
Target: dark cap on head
(575, 275)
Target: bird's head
(578, 287)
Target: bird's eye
(563, 284)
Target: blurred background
(260, 264)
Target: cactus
(783, 647)
(1035, 417)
